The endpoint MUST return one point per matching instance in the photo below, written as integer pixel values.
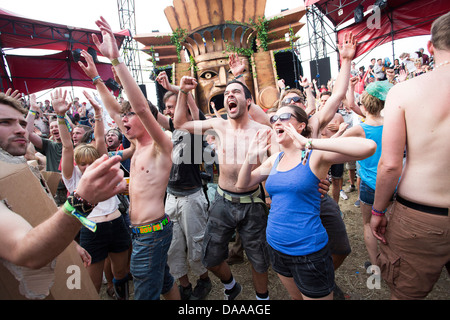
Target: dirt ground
(351, 277)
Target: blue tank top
(368, 170)
(294, 226)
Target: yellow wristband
(117, 61)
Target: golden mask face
(213, 74)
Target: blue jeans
(366, 194)
(151, 274)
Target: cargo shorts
(248, 219)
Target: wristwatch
(117, 61)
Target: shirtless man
(415, 240)
(233, 208)
(149, 173)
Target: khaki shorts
(417, 249)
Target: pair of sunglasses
(283, 117)
(295, 99)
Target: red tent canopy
(30, 74)
(400, 19)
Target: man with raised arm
(415, 241)
(149, 175)
(233, 209)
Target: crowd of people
(263, 177)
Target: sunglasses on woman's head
(295, 99)
(283, 117)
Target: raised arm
(136, 98)
(112, 106)
(347, 51)
(181, 120)
(163, 80)
(34, 109)
(61, 107)
(99, 128)
(351, 96)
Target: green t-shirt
(53, 151)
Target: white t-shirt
(103, 208)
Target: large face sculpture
(213, 74)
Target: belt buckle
(235, 200)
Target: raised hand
(108, 47)
(237, 66)
(90, 69)
(97, 107)
(347, 48)
(15, 95)
(259, 146)
(163, 80)
(59, 102)
(299, 140)
(188, 83)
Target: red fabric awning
(36, 73)
(411, 19)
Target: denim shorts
(151, 274)
(313, 274)
(366, 194)
(110, 236)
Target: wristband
(60, 117)
(117, 61)
(95, 79)
(34, 113)
(71, 211)
(375, 212)
(239, 76)
(308, 145)
(183, 91)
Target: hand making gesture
(347, 48)
(108, 47)
(59, 102)
(237, 65)
(259, 146)
(188, 83)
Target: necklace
(442, 64)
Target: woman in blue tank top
(296, 237)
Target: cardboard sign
(24, 193)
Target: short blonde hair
(85, 153)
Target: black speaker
(112, 84)
(359, 13)
(76, 55)
(289, 68)
(93, 54)
(320, 70)
(143, 89)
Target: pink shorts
(417, 249)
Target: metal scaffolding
(130, 51)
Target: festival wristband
(91, 225)
(32, 112)
(117, 61)
(239, 76)
(375, 212)
(183, 91)
(95, 79)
